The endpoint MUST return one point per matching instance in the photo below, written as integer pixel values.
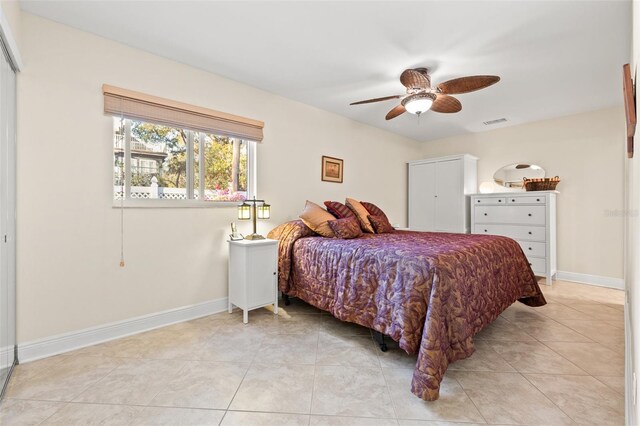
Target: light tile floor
(559, 364)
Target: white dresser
(527, 217)
(438, 189)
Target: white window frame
(190, 202)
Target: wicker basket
(544, 184)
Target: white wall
(586, 151)
(632, 243)
(68, 249)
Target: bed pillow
(380, 224)
(316, 218)
(346, 228)
(374, 210)
(361, 213)
(338, 209)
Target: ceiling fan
(421, 97)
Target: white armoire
(438, 189)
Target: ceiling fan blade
(414, 79)
(446, 104)
(368, 101)
(467, 84)
(399, 110)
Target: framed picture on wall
(629, 107)
(332, 169)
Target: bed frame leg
(379, 338)
(286, 299)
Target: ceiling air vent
(496, 121)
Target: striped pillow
(338, 209)
(374, 210)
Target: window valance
(140, 106)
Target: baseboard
(629, 393)
(597, 280)
(61, 343)
(6, 357)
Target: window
(160, 162)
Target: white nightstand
(253, 275)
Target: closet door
(422, 193)
(449, 197)
(7, 219)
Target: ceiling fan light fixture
(418, 103)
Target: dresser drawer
(538, 265)
(510, 214)
(490, 201)
(533, 248)
(526, 199)
(517, 232)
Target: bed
(430, 292)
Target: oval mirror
(511, 176)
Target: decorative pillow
(380, 224)
(361, 213)
(374, 210)
(346, 228)
(339, 210)
(316, 218)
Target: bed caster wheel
(383, 347)
(286, 299)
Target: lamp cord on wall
(122, 178)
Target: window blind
(140, 106)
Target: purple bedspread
(430, 292)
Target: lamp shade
(244, 212)
(418, 103)
(264, 211)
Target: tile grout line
(315, 372)
(607, 385)
(251, 363)
(54, 413)
(386, 384)
(548, 398)
(471, 399)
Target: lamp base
(254, 237)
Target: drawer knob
(485, 214)
(274, 273)
(529, 263)
(477, 201)
(529, 248)
(530, 232)
(513, 200)
(485, 230)
(537, 199)
(529, 214)
(499, 201)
